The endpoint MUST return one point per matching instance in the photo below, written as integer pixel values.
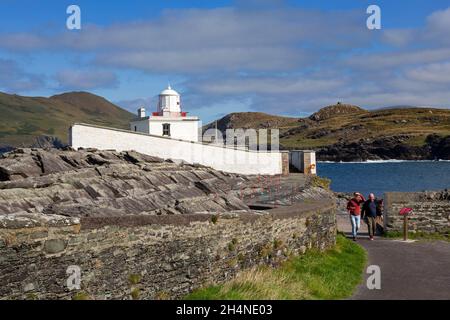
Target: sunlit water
(382, 176)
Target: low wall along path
(139, 227)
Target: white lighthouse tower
(169, 102)
(169, 120)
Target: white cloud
(226, 39)
(275, 59)
(14, 78)
(432, 73)
(85, 79)
(438, 25)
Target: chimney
(141, 112)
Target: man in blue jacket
(369, 214)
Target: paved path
(409, 270)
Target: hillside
(255, 120)
(25, 118)
(349, 133)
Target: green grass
(417, 141)
(300, 142)
(81, 296)
(333, 274)
(320, 182)
(374, 124)
(24, 118)
(428, 236)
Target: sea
(382, 176)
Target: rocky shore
(435, 148)
(107, 183)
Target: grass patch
(316, 181)
(333, 274)
(300, 142)
(81, 296)
(214, 219)
(135, 293)
(134, 278)
(429, 236)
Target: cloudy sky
(281, 57)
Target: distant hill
(336, 110)
(255, 120)
(346, 132)
(23, 119)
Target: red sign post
(404, 212)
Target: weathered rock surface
(91, 183)
(45, 141)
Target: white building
(169, 133)
(168, 120)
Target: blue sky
(281, 57)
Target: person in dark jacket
(354, 209)
(369, 214)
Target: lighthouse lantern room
(169, 120)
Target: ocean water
(381, 176)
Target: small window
(166, 129)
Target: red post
(404, 212)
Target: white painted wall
(140, 126)
(186, 128)
(179, 129)
(217, 157)
(312, 162)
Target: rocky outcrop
(42, 141)
(91, 183)
(47, 142)
(335, 110)
(439, 146)
(387, 148)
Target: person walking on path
(369, 215)
(354, 209)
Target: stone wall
(153, 257)
(431, 211)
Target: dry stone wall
(153, 257)
(431, 211)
